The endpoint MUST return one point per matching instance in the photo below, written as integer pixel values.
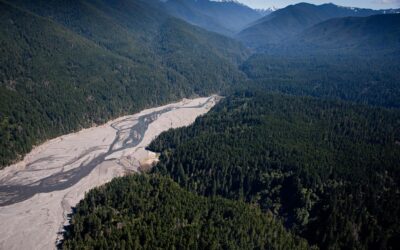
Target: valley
(199, 124)
(36, 194)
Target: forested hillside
(65, 65)
(366, 79)
(358, 34)
(302, 151)
(224, 17)
(328, 169)
(155, 213)
(292, 20)
(371, 36)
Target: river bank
(36, 194)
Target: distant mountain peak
(292, 20)
(271, 9)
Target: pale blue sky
(375, 4)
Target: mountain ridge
(292, 20)
(111, 62)
(224, 17)
(377, 32)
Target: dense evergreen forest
(155, 213)
(328, 169)
(368, 79)
(65, 65)
(302, 151)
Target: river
(36, 194)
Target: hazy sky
(375, 4)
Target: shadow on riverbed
(11, 194)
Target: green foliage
(65, 65)
(153, 212)
(369, 80)
(329, 169)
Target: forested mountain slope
(225, 17)
(368, 79)
(264, 169)
(65, 65)
(330, 170)
(292, 20)
(155, 213)
(352, 58)
(358, 34)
